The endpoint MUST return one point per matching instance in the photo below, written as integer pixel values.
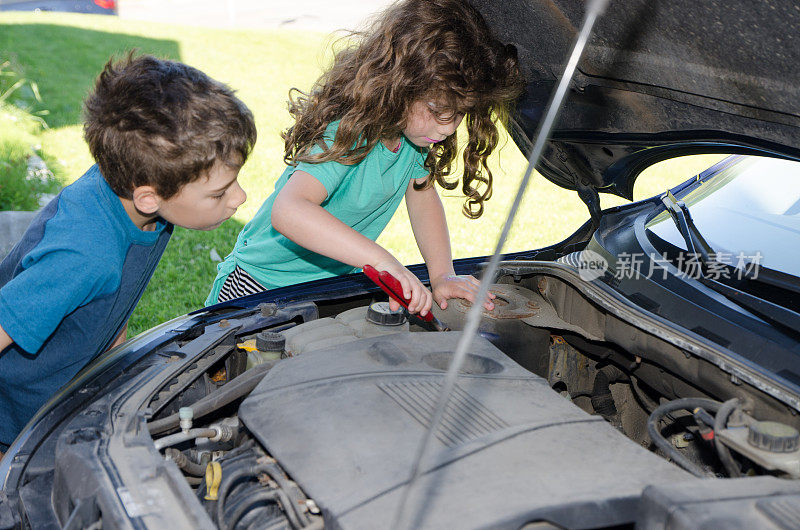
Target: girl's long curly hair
(430, 50)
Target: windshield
(749, 212)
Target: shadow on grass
(65, 60)
(183, 278)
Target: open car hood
(658, 78)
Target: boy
(169, 142)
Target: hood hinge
(591, 198)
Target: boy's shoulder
(86, 219)
(88, 211)
(88, 194)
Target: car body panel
(651, 86)
(95, 7)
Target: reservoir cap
(773, 436)
(270, 341)
(381, 314)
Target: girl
(379, 126)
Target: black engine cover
(346, 422)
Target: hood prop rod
(595, 8)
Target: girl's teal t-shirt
(364, 196)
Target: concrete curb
(14, 223)
(12, 226)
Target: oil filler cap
(773, 437)
(380, 313)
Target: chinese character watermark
(688, 265)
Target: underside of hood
(658, 78)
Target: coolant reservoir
(268, 346)
(358, 323)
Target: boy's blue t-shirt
(66, 290)
(364, 196)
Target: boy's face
(207, 202)
(425, 125)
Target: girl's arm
(297, 214)
(429, 224)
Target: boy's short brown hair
(162, 123)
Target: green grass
(182, 280)
(64, 53)
(18, 139)
(19, 132)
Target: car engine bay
(563, 414)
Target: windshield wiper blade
(769, 311)
(697, 245)
(695, 242)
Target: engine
(550, 422)
(345, 423)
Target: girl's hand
(449, 286)
(420, 297)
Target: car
(642, 372)
(97, 7)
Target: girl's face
(427, 125)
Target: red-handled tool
(391, 286)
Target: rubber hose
(648, 403)
(275, 474)
(261, 496)
(234, 455)
(227, 483)
(602, 400)
(663, 444)
(239, 387)
(183, 462)
(720, 423)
